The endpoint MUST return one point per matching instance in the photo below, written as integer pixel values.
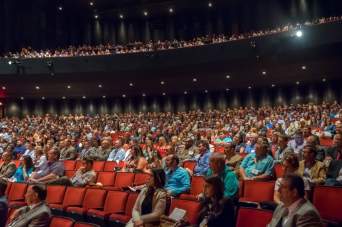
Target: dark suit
(3, 211)
(304, 215)
(38, 216)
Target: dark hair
(175, 158)
(3, 186)
(89, 161)
(204, 143)
(296, 182)
(292, 159)
(41, 192)
(28, 162)
(137, 151)
(159, 178)
(218, 186)
(311, 148)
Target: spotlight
(249, 87)
(162, 82)
(63, 97)
(297, 82)
(22, 98)
(37, 87)
(205, 91)
(96, 16)
(60, 8)
(227, 89)
(131, 84)
(185, 92)
(145, 13)
(121, 16)
(164, 93)
(91, 3)
(123, 96)
(299, 33)
(10, 62)
(103, 96)
(263, 72)
(68, 86)
(100, 85)
(227, 76)
(3, 88)
(324, 80)
(143, 94)
(170, 10)
(84, 97)
(304, 67)
(43, 98)
(210, 4)
(194, 79)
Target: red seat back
(55, 194)
(94, 199)
(115, 202)
(61, 221)
(73, 197)
(17, 191)
(248, 217)
(98, 166)
(328, 201)
(258, 191)
(69, 165)
(69, 173)
(279, 170)
(8, 188)
(197, 185)
(141, 178)
(78, 164)
(84, 224)
(123, 179)
(132, 197)
(189, 165)
(106, 178)
(109, 166)
(192, 209)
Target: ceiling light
(210, 4)
(96, 16)
(299, 33)
(37, 87)
(185, 92)
(297, 82)
(60, 8)
(100, 85)
(171, 10)
(43, 98)
(263, 72)
(84, 97)
(22, 98)
(121, 16)
(303, 67)
(3, 88)
(249, 87)
(205, 91)
(103, 96)
(194, 79)
(227, 89)
(0, 103)
(273, 85)
(164, 93)
(123, 96)
(143, 94)
(227, 76)
(145, 13)
(324, 80)
(131, 84)
(162, 82)
(91, 3)
(68, 86)
(10, 62)
(63, 97)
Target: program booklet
(177, 214)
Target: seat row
(58, 221)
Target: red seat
(326, 142)
(8, 188)
(258, 191)
(69, 165)
(109, 166)
(189, 164)
(279, 170)
(61, 221)
(84, 224)
(197, 187)
(253, 217)
(55, 194)
(73, 197)
(241, 185)
(93, 199)
(125, 217)
(123, 179)
(98, 166)
(192, 209)
(69, 173)
(328, 201)
(16, 195)
(106, 178)
(141, 178)
(115, 203)
(78, 164)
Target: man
(177, 178)
(3, 203)
(52, 171)
(335, 152)
(228, 177)
(87, 151)
(29, 151)
(36, 213)
(202, 159)
(118, 153)
(283, 150)
(297, 144)
(295, 210)
(250, 147)
(188, 150)
(19, 148)
(103, 151)
(258, 165)
(233, 159)
(67, 152)
(7, 168)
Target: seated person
(67, 151)
(310, 169)
(177, 178)
(297, 144)
(7, 168)
(335, 152)
(295, 210)
(283, 150)
(36, 213)
(24, 171)
(118, 153)
(39, 160)
(217, 210)
(223, 138)
(3, 203)
(334, 173)
(251, 143)
(202, 159)
(228, 177)
(233, 159)
(258, 165)
(53, 170)
(137, 161)
(151, 202)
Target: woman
(151, 202)
(217, 210)
(24, 170)
(137, 162)
(162, 147)
(233, 159)
(151, 155)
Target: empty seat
(141, 178)
(93, 199)
(73, 197)
(192, 209)
(106, 178)
(253, 217)
(258, 191)
(109, 166)
(69, 173)
(115, 203)
(124, 218)
(61, 221)
(189, 164)
(84, 224)
(328, 201)
(69, 164)
(55, 194)
(123, 179)
(197, 187)
(16, 195)
(98, 166)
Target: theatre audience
(177, 178)
(103, 151)
(233, 159)
(67, 151)
(202, 160)
(251, 143)
(39, 160)
(24, 171)
(283, 149)
(295, 210)
(7, 168)
(137, 161)
(36, 213)
(118, 153)
(335, 151)
(3, 203)
(151, 202)
(297, 144)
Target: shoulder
(320, 164)
(161, 193)
(307, 209)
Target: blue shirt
(202, 164)
(250, 148)
(224, 140)
(255, 168)
(177, 181)
(19, 150)
(19, 174)
(117, 155)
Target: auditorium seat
(115, 203)
(192, 209)
(241, 188)
(189, 164)
(278, 170)
(84, 224)
(98, 166)
(8, 188)
(197, 187)
(126, 216)
(122, 180)
(16, 195)
(248, 217)
(107, 179)
(326, 142)
(73, 197)
(93, 199)
(141, 178)
(328, 201)
(78, 164)
(69, 164)
(257, 191)
(109, 166)
(55, 194)
(69, 173)
(61, 222)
